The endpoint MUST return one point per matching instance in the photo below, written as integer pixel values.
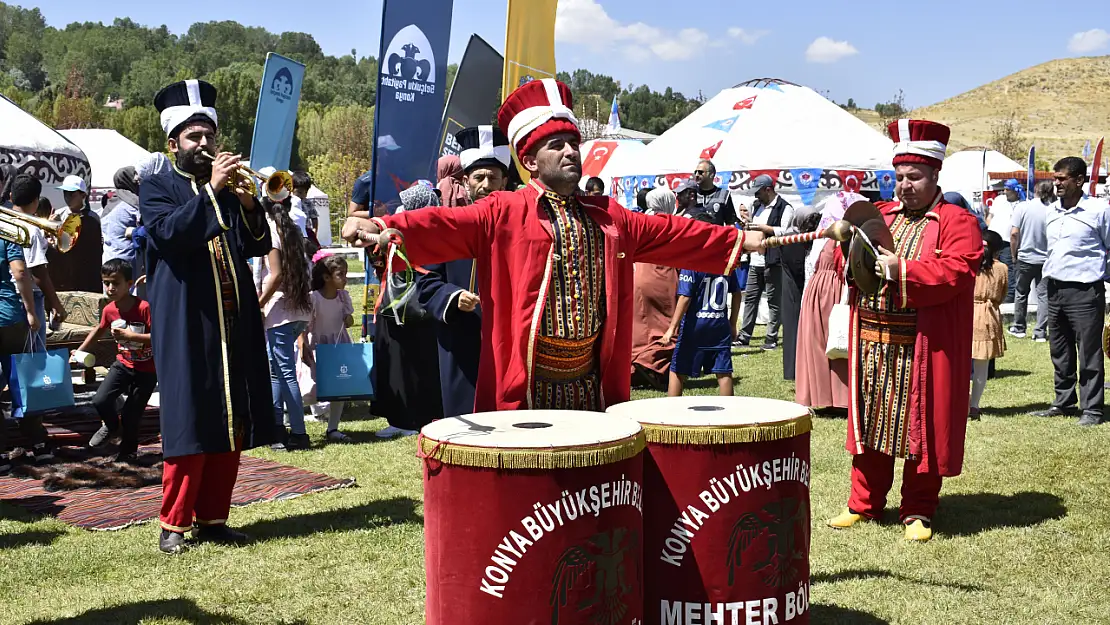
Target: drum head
(710, 411)
(532, 429)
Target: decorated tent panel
(34, 148)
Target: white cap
(74, 183)
(267, 172)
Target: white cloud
(825, 50)
(585, 22)
(1089, 41)
(747, 37)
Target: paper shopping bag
(41, 381)
(343, 371)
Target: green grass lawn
(1022, 537)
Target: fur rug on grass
(76, 467)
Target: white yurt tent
(811, 146)
(108, 151)
(968, 172)
(602, 157)
(34, 148)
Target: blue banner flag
(1031, 181)
(806, 181)
(885, 178)
(1087, 150)
(412, 88)
(723, 124)
(276, 118)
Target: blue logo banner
(1029, 182)
(806, 181)
(412, 88)
(885, 178)
(276, 118)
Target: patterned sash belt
(564, 360)
(887, 328)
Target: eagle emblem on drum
(602, 561)
(780, 523)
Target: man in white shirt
(25, 197)
(773, 216)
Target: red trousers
(197, 486)
(872, 478)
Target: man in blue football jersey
(704, 329)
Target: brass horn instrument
(13, 227)
(277, 185)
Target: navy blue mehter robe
(211, 361)
(459, 333)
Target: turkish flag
(673, 180)
(851, 180)
(773, 173)
(744, 104)
(988, 198)
(711, 151)
(598, 157)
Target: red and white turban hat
(536, 111)
(919, 142)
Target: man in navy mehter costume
(207, 335)
(450, 290)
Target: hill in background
(1058, 105)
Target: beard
(559, 175)
(190, 162)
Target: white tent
(37, 149)
(602, 157)
(967, 172)
(811, 146)
(108, 152)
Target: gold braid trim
(718, 435)
(533, 459)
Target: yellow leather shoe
(845, 520)
(917, 531)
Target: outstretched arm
(432, 235)
(689, 244)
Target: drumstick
(838, 231)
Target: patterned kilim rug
(86, 488)
(92, 491)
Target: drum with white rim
(533, 517)
(727, 518)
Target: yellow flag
(529, 48)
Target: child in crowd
(704, 331)
(987, 341)
(332, 314)
(132, 374)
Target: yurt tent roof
(107, 151)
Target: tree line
(67, 77)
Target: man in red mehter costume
(910, 350)
(554, 268)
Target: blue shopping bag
(41, 380)
(343, 371)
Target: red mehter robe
(941, 288)
(511, 238)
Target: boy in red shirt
(128, 319)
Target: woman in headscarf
(653, 305)
(449, 173)
(821, 382)
(406, 352)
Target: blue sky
(932, 50)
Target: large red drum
(727, 519)
(534, 518)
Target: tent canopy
(809, 145)
(602, 157)
(777, 126)
(37, 149)
(108, 151)
(968, 171)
